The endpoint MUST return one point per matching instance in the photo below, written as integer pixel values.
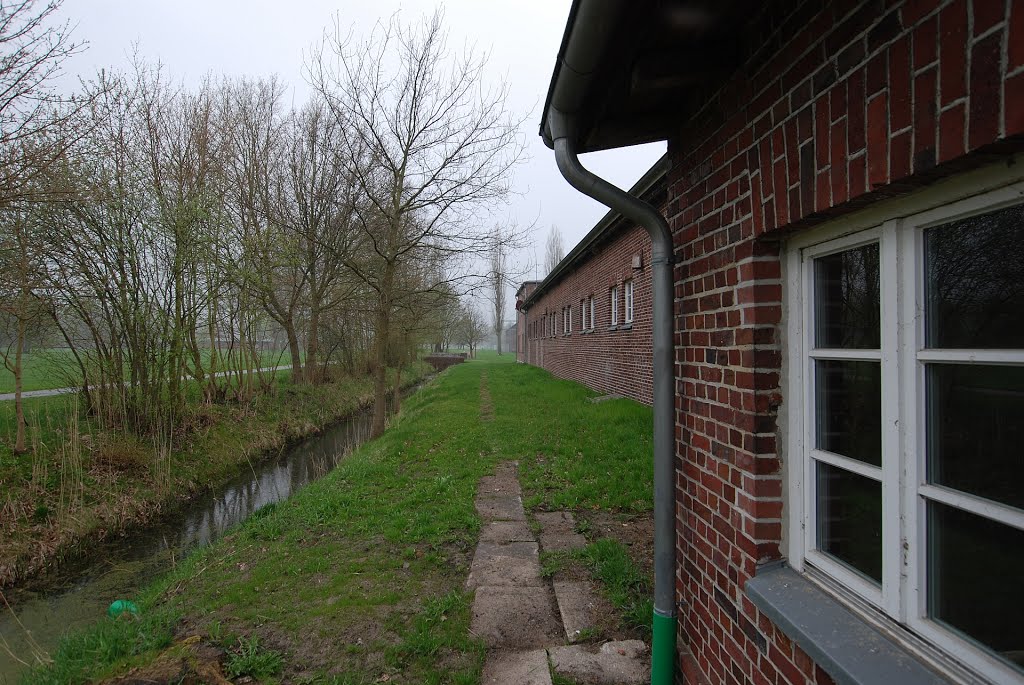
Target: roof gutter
(587, 36)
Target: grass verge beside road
(78, 483)
(359, 578)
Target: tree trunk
(210, 391)
(499, 341)
(313, 346)
(380, 373)
(293, 348)
(397, 405)
(19, 409)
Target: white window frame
(615, 305)
(583, 315)
(898, 226)
(627, 289)
(591, 312)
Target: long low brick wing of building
(580, 310)
(844, 197)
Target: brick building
(592, 305)
(846, 202)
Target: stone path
(526, 621)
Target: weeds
(252, 659)
(553, 562)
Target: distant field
(42, 371)
(49, 369)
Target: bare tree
(429, 147)
(270, 260)
(32, 50)
(554, 250)
(504, 242)
(22, 307)
(317, 209)
(472, 329)
(498, 278)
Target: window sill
(846, 646)
(613, 327)
(626, 326)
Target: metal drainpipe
(663, 649)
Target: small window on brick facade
(591, 302)
(615, 305)
(907, 391)
(627, 288)
(583, 315)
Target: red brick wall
(609, 361)
(841, 104)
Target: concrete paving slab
(557, 521)
(600, 667)
(580, 605)
(511, 564)
(515, 617)
(506, 531)
(558, 531)
(554, 542)
(500, 508)
(517, 668)
(634, 649)
(499, 485)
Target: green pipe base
(663, 650)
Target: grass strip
(626, 584)
(359, 578)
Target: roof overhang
(628, 71)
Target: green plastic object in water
(121, 606)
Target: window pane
(974, 578)
(847, 308)
(849, 409)
(849, 525)
(976, 430)
(975, 281)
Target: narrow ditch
(47, 606)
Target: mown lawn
(360, 577)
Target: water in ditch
(45, 608)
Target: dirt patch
(635, 531)
(486, 405)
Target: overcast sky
(232, 37)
